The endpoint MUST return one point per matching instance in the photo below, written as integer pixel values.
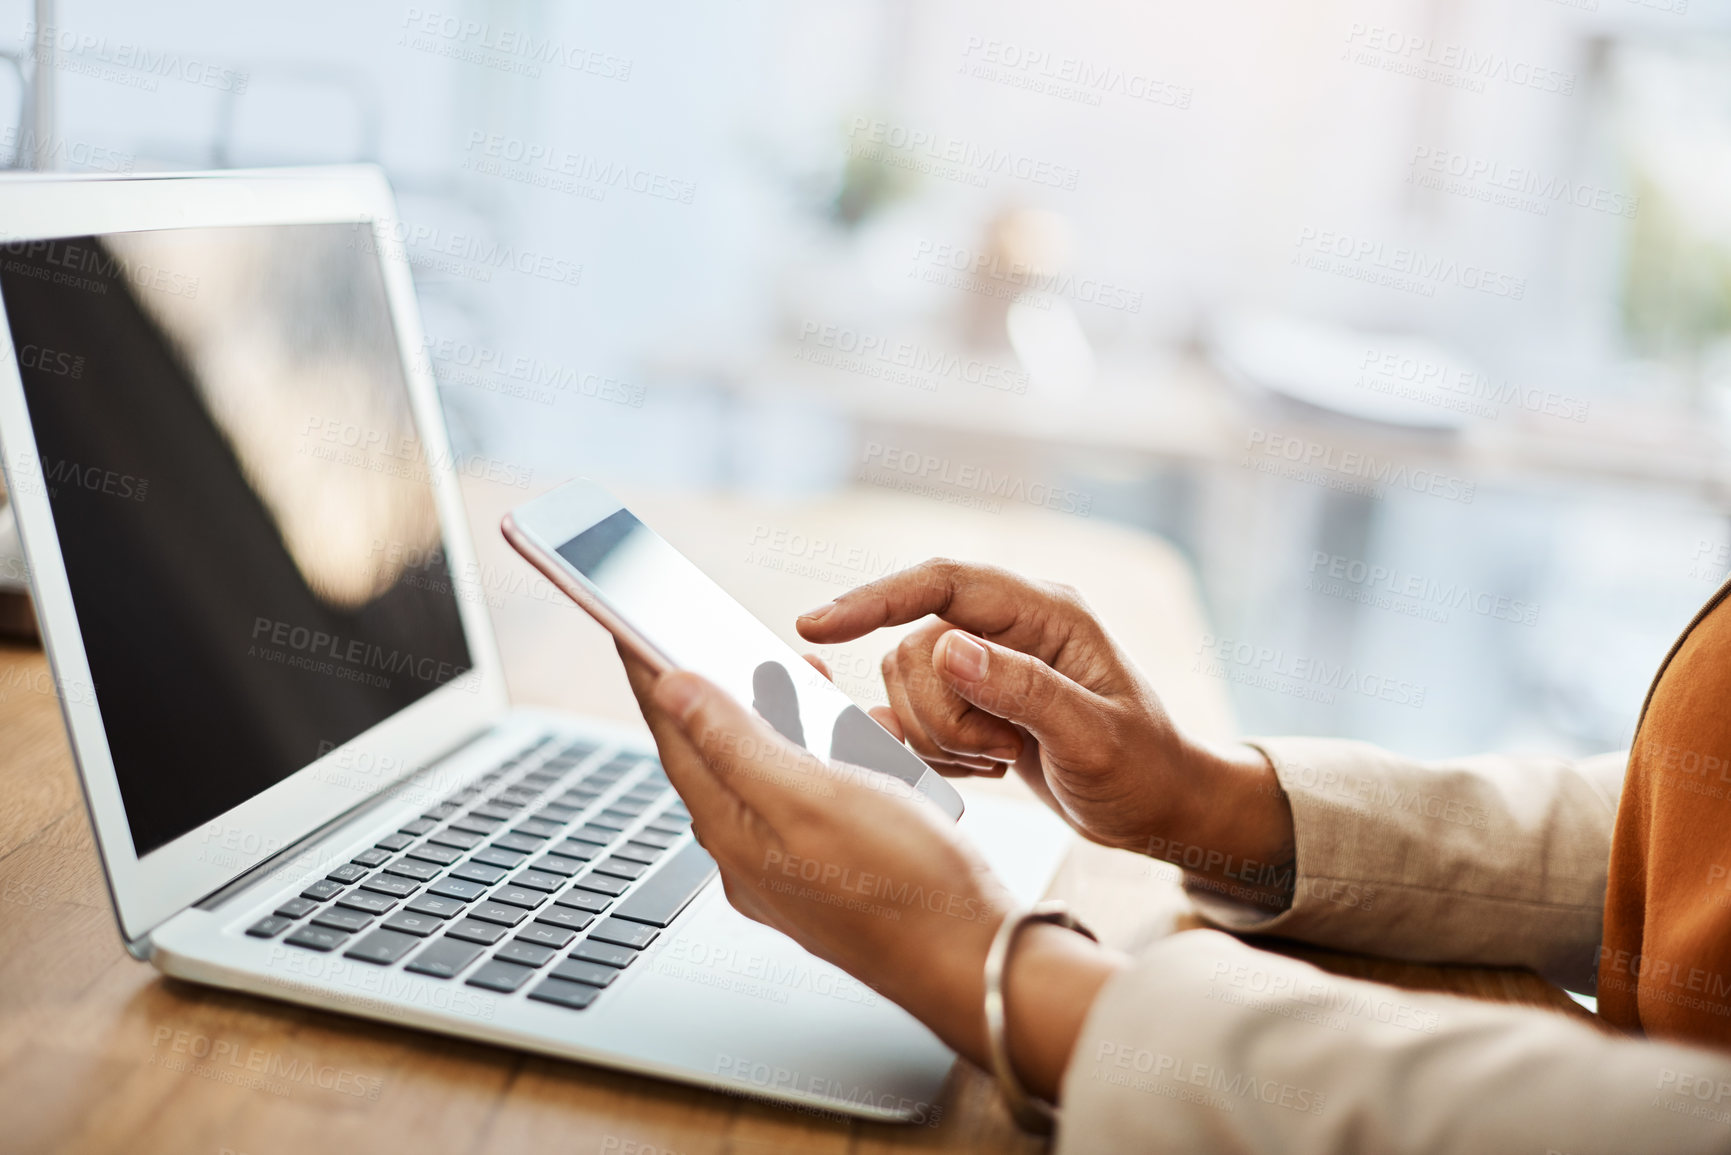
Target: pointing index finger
(984, 599)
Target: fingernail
(814, 615)
(678, 695)
(964, 657)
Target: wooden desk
(99, 1053)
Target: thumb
(1017, 687)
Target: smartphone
(671, 614)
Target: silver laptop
(238, 501)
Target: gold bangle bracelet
(1031, 1114)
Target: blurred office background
(1407, 321)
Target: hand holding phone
(667, 611)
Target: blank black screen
(243, 502)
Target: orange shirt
(1665, 965)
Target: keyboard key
(348, 921)
(579, 798)
(583, 900)
(605, 953)
(499, 913)
(317, 938)
(322, 889)
(297, 908)
(653, 837)
(599, 835)
(434, 905)
(494, 811)
(392, 884)
(458, 888)
(578, 971)
(632, 934)
(557, 864)
(565, 917)
(366, 901)
(538, 880)
(269, 926)
(603, 884)
(611, 822)
(557, 814)
(440, 812)
(416, 869)
(667, 891)
(545, 934)
(432, 852)
(665, 826)
(538, 828)
(383, 947)
(573, 996)
(527, 953)
(418, 827)
(640, 852)
(571, 848)
(679, 812)
(419, 925)
(624, 811)
(444, 959)
(457, 839)
(347, 872)
(372, 857)
(493, 856)
(393, 842)
(621, 868)
(478, 872)
(518, 842)
(517, 796)
(476, 825)
(500, 976)
(472, 930)
(519, 896)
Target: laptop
(241, 513)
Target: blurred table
(88, 1037)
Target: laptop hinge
(389, 794)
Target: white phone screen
(680, 610)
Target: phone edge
(555, 572)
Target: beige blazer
(1207, 1045)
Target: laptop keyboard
(516, 881)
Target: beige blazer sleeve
(1206, 1045)
(1488, 860)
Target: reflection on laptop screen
(244, 505)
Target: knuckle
(1033, 696)
(1068, 598)
(942, 573)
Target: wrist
(1238, 809)
(1051, 981)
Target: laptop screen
(244, 505)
